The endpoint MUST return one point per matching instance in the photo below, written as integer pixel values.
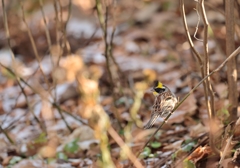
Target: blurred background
(75, 80)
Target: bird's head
(158, 88)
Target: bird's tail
(151, 121)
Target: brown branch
(13, 59)
(209, 102)
(235, 53)
(33, 45)
(232, 64)
(198, 56)
(64, 120)
(103, 20)
(54, 104)
(125, 148)
(7, 136)
(65, 41)
(45, 25)
(57, 24)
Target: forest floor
(69, 112)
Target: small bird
(164, 103)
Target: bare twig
(13, 59)
(33, 45)
(236, 52)
(68, 113)
(109, 59)
(62, 117)
(45, 25)
(204, 63)
(125, 148)
(198, 56)
(209, 102)
(226, 149)
(195, 33)
(232, 64)
(65, 41)
(7, 136)
(57, 25)
(53, 103)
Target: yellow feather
(160, 85)
(155, 93)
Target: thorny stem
(236, 52)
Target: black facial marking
(155, 83)
(159, 90)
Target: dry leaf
(199, 153)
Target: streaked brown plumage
(164, 103)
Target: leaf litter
(148, 45)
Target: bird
(164, 103)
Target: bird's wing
(167, 106)
(156, 110)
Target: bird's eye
(159, 90)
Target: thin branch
(226, 149)
(57, 25)
(33, 45)
(62, 117)
(13, 59)
(198, 56)
(235, 53)
(232, 65)
(45, 25)
(65, 41)
(195, 33)
(104, 25)
(209, 102)
(7, 136)
(124, 147)
(53, 103)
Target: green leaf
(156, 145)
(157, 135)
(14, 160)
(71, 147)
(188, 164)
(121, 132)
(174, 156)
(51, 160)
(62, 156)
(146, 152)
(188, 145)
(42, 138)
